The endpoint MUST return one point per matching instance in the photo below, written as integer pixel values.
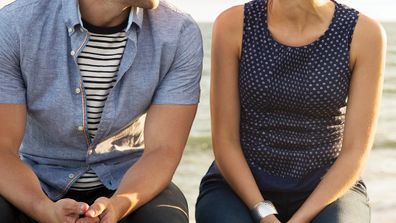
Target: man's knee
(168, 206)
(159, 214)
(7, 212)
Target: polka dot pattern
(293, 99)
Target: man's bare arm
(19, 185)
(166, 132)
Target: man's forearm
(145, 180)
(21, 187)
(154, 170)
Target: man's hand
(65, 211)
(102, 211)
(270, 219)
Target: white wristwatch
(262, 210)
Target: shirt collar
(136, 17)
(72, 16)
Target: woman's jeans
(170, 206)
(217, 203)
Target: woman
(296, 88)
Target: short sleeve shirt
(40, 41)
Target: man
(78, 79)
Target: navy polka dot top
(293, 101)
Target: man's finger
(70, 219)
(82, 207)
(97, 208)
(73, 207)
(88, 220)
(78, 208)
(105, 220)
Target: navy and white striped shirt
(99, 63)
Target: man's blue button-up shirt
(40, 41)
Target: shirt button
(80, 128)
(73, 53)
(71, 176)
(77, 90)
(71, 30)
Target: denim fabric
(39, 43)
(217, 203)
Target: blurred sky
(207, 10)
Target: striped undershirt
(99, 62)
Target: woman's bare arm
(225, 107)
(367, 63)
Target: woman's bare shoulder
(369, 38)
(230, 20)
(368, 31)
(228, 30)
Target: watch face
(262, 210)
(265, 209)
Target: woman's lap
(353, 207)
(217, 203)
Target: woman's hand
(270, 219)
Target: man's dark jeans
(218, 203)
(169, 206)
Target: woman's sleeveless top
(293, 100)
